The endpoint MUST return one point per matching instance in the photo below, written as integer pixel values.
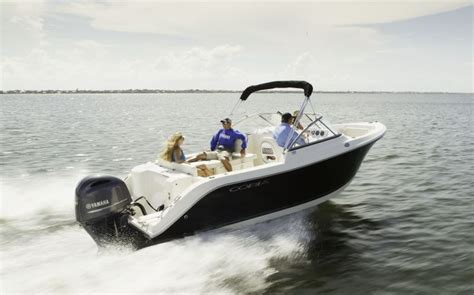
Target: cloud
(302, 67)
(145, 44)
(200, 62)
(22, 26)
(88, 66)
(228, 16)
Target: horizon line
(196, 90)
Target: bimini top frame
(307, 88)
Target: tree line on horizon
(78, 91)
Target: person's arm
(301, 141)
(215, 139)
(243, 138)
(294, 135)
(237, 135)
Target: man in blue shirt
(224, 142)
(284, 130)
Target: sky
(336, 45)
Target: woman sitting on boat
(173, 153)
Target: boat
(160, 201)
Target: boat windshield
(310, 129)
(258, 121)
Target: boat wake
(39, 233)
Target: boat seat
(269, 150)
(238, 162)
(180, 167)
(158, 184)
(265, 147)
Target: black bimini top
(308, 88)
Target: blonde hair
(170, 145)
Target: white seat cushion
(181, 167)
(236, 162)
(209, 163)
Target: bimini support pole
(288, 141)
(235, 106)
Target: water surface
(403, 226)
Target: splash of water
(44, 250)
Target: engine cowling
(99, 197)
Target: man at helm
(285, 131)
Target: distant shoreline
(135, 91)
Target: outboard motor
(102, 208)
